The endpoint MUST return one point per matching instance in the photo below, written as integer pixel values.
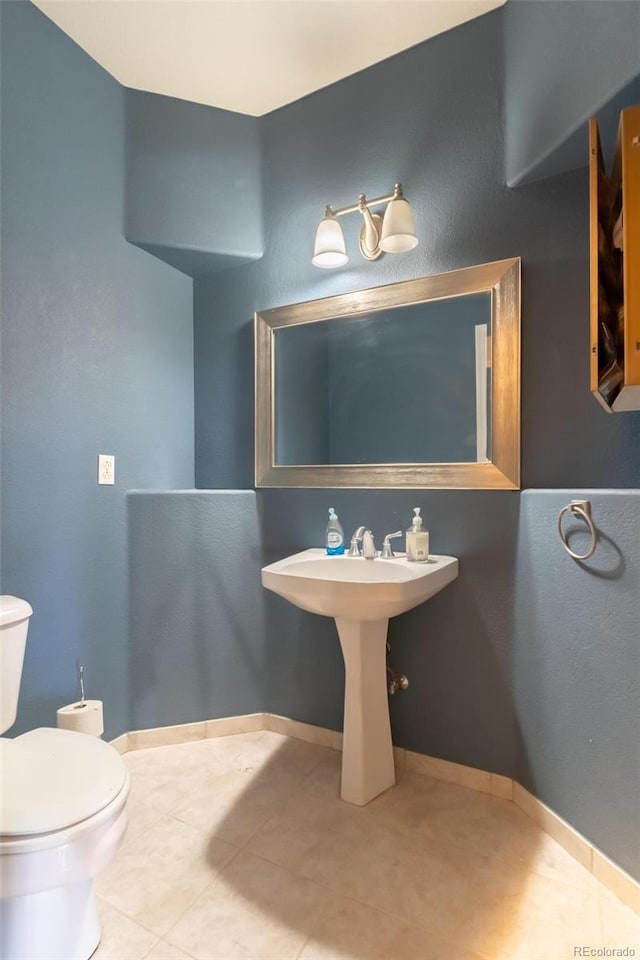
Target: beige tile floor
(239, 847)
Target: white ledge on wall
(605, 870)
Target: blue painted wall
(448, 152)
(570, 153)
(196, 648)
(576, 666)
(526, 665)
(465, 702)
(84, 313)
(563, 62)
(97, 357)
(194, 190)
(454, 649)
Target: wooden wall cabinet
(615, 267)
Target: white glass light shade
(329, 249)
(398, 227)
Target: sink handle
(387, 550)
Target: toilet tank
(14, 623)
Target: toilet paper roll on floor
(83, 717)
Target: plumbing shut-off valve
(397, 681)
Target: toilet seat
(53, 780)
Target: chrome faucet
(364, 536)
(369, 551)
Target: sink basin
(361, 595)
(355, 588)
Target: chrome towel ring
(578, 508)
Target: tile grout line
(498, 859)
(630, 892)
(302, 948)
(192, 903)
(152, 947)
(120, 911)
(339, 894)
(246, 843)
(290, 872)
(298, 788)
(144, 832)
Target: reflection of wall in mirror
(301, 402)
(403, 383)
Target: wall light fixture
(395, 233)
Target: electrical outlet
(106, 468)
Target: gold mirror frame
(502, 280)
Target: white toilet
(62, 819)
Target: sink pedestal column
(367, 752)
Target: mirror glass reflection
(407, 384)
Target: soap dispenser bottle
(417, 539)
(335, 535)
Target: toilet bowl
(62, 818)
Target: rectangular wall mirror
(413, 384)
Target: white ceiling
(250, 56)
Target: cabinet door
(614, 220)
(629, 146)
(606, 368)
(596, 168)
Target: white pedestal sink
(361, 595)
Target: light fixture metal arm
(363, 202)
